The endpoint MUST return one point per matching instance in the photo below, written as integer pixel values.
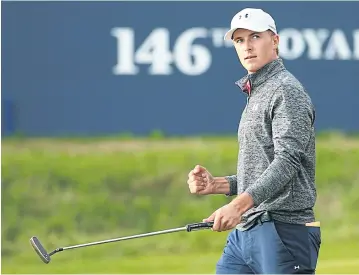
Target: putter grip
(199, 226)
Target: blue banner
(92, 68)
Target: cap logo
(240, 16)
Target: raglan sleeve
(292, 117)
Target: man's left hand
(225, 218)
(229, 216)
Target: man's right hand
(200, 181)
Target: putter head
(40, 250)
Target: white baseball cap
(251, 19)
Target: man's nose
(247, 46)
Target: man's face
(255, 49)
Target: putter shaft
(46, 257)
(120, 239)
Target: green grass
(70, 191)
(343, 259)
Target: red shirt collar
(248, 87)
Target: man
(272, 215)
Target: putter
(46, 257)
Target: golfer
(274, 227)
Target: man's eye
(255, 36)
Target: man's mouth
(250, 57)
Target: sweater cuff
(232, 185)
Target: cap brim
(229, 34)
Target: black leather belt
(262, 218)
(265, 217)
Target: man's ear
(276, 42)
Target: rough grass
(73, 191)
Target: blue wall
(77, 68)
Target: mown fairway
(73, 191)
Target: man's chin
(251, 68)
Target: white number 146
(189, 58)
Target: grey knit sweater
(276, 160)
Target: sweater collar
(250, 81)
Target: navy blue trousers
(271, 248)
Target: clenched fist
(200, 181)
